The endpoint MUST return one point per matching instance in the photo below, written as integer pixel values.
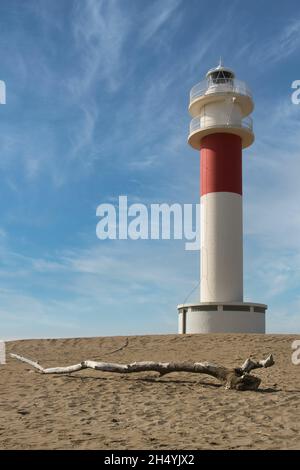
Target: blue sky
(97, 95)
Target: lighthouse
(221, 127)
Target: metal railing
(206, 122)
(222, 85)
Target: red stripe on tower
(221, 164)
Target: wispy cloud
(23, 315)
(100, 30)
(272, 218)
(157, 14)
(285, 316)
(72, 284)
(278, 46)
(145, 163)
(82, 134)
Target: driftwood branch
(250, 365)
(238, 378)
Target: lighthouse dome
(219, 75)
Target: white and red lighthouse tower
(220, 129)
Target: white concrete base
(212, 317)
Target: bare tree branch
(251, 365)
(238, 378)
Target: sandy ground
(95, 410)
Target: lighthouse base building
(220, 129)
(244, 317)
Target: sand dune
(92, 410)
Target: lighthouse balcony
(207, 92)
(201, 126)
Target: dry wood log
(238, 378)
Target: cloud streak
(277, 47)
(100, 30)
